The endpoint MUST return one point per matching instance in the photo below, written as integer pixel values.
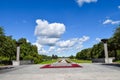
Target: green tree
(1, 31)
(84, 54)
(97, 51)
(71, 57)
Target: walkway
(88, 72)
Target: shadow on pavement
(112, 64)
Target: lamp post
(105, 50)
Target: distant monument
(105, 50)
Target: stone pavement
(88, 72)
(62, 63)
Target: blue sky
(61, 27)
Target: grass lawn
(81, 61)
(49, 62)
(2, 65)
(118, 61)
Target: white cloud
(109, 21)
(41, 49)
(38, 46)
(79, 47)
(47, 41)
(48, 33)
(51, 49)
(72, 42)
(67, 43)
(81, 2)
(98, 39)
(119, 7)
(48, 38)
(84, 38)
(59, 50)
(54, 30)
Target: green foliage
(27, 50)
(54, 56)
(1, 31)
(4, 58)
(71, 57)
(117, 61)
(8, 47)
(84, 54)
(97, 51)
(118, 54)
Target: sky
(60, 27)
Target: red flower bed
(72, 66)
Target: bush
(4, 58)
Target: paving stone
(88, 72)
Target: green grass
(49, 61)
(1, 64)
(81, 61)
(118, 61)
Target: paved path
(88, 72)
(62, 63)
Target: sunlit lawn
(49, 61)
(81, 61)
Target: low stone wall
(5, 62)
(22, 62)
(102, 60)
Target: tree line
(27, 50)
(97, 51)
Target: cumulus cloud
(51, 49)
(72, 42)
(47, 41)
(109, 21)
(98, 39)
(67, 43)
(48, 38)
(59, 50)
(40, 48)
(48, 33)
(84, 38)
(50, 30)
(81, 2)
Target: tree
(114, 43)
(84, 54)
(71, 57)
(54, 56)
(8, 47)
(98, 51)
(1, 31)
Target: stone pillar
(105, 50)
(18, 54)
(17, 62)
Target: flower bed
(72, 66)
